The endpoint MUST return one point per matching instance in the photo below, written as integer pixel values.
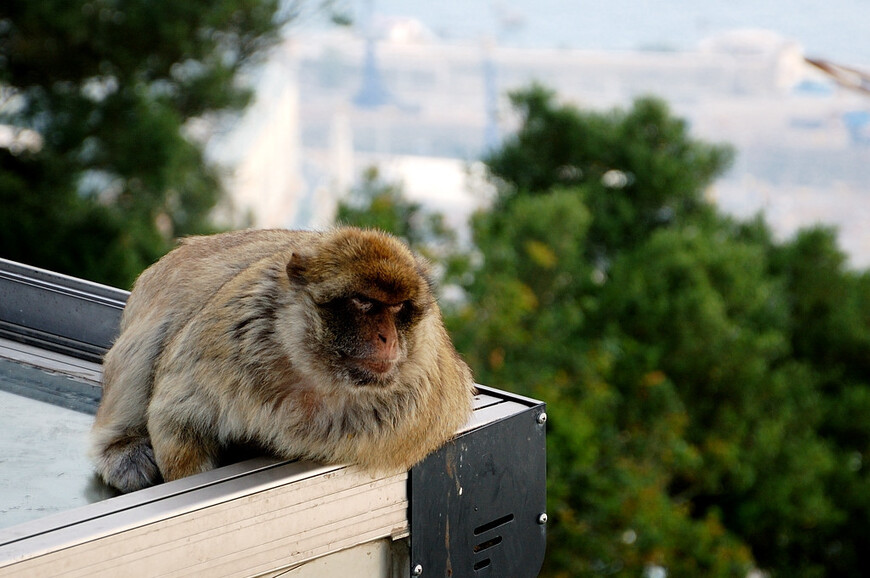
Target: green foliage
(541, 320)
(707, 386)
(638, 169)
(734, 368)
(109, 86)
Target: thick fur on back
(221, 344)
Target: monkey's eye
(361, 303)
(395, 308)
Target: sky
(837, 30)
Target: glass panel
(44, 466)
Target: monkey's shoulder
(192, 273)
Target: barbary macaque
(318, 345)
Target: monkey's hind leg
(179, 452)
(125, 461)
(120, 445)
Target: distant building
(338, 101)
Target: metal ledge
(30, 299)
(268, 517)
(252, 517)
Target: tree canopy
(707, 385)
(97, 97)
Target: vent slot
(494, 524)
(491, 542)
(487, 545)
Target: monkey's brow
(379, 302)
(383, 297)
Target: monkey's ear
(424, 269)
(297, 268)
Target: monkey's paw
(129, 466)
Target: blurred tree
(580, 192)
(830, 332)
(97, 96)
(638, 169)
(539, 320)
(707, 386)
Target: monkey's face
(368, 336)
(370, 294)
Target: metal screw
(417, 571)
(542, 518)
(542, 417)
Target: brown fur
(326, 346)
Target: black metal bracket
(477, 505)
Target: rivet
(417, 571)
(542, 417)
(542, 518)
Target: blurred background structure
(392, 92)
